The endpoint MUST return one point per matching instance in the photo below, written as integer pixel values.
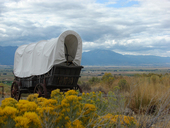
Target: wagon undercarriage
(59, 77)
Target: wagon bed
(59, 77)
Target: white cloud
(142, 28)
(2, 30)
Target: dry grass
(147, 96)
(6, 89)
(147, 92)
(139, 91)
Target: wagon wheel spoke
(17, 95)
(39, 90)
(36, 89)
(79, 88)
(15, 92)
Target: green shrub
(85, 86)
(94, 80)
(154, 79)
(108, 78)
(123, 85)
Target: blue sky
(136, 27)
(118, 3)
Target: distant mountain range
(7, 55)
(109, 58)
(97, 58)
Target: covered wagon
(47, 65)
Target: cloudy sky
(138, 27)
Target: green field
(88, 72)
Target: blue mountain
(97, 57)
(109, 58)
(7, 55)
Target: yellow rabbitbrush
(62, 110)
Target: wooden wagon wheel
(15, 92)
(80, 89)
(41, 90)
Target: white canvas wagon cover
(39, 58)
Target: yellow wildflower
(22, 122)
(91, 101)
(56, 93)
(49, 103)
(47, 114)
(69, 99)
(33, 118)
(1, 115)
(45, 111)
(9, 102)
(68, 109)
(89, 108)
(78, 124)
(79, 98)
(26, 106)
(124, 120)
(67, 118)
(59, 118)
(9, 112)
(83, 94)
(41, 100)
(71, 92)
(68, 124)
(32, 97)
